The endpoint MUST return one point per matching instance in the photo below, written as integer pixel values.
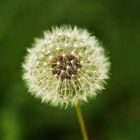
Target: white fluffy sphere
(66, 66)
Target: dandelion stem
(81, 122)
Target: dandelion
(66, 66)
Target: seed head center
(65, 66)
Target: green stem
(81, 122)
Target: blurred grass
(115, 114)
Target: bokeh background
(115, 114)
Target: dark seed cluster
(65, 66)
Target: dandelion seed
(67, 66)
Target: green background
(115, 114)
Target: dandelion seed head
(66, 66)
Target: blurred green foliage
(115, 114)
